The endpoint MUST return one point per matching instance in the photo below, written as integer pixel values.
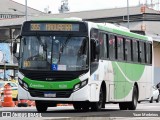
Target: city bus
(86, 64)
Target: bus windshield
(54, 53)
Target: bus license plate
(49, 94)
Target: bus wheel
(77, 107)
(81, 106)
(123, 105)
(133, 104)
(40, 106)
(96, 106)
(86, 106)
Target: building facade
(142, 20)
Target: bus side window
(145, 53)
(148, 53)
(103, 45)
(141, 52)
(135, 50)
(120, 48)
(94, 40)
(112, 47)
(128, 50)
(107, 45)
(150, 61)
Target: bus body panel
(119, 76)
(88, 93)
(120, 79)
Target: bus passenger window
(150, 60)
(148, 53)
(145, 53)
(135, 50)
(120, 48)
(128, 50)
(103, 45)
(141, 52)
(112, 47)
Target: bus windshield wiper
(62, 47)
(41, 43)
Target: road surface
(144, 111)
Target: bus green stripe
(52, 85)
(133, 72)
(124, 33)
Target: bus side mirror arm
(15, 47)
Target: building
(10, 10)
(142, 20)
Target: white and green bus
(83, 63)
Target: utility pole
(4, 63)
(128, 14)
(26, 14)
(158, 5)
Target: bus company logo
(36, 85)
(49, 79)
(63, 86)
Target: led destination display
(53, 27)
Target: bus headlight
(80, 85)
(20, 81)
(23, 84)
(84, 83)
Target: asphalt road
(144, 111)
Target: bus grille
(59, 94)
(51, 76)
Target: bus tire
(77, 107)
(123, 106)
(96, 106)
(85, 108)
(133, 104)
(40, 106)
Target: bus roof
(120, 30)
(59, 19)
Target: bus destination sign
(53, 27)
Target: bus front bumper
(79, 95)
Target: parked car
(14, 87)
(155, 96)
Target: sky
(78, 5)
